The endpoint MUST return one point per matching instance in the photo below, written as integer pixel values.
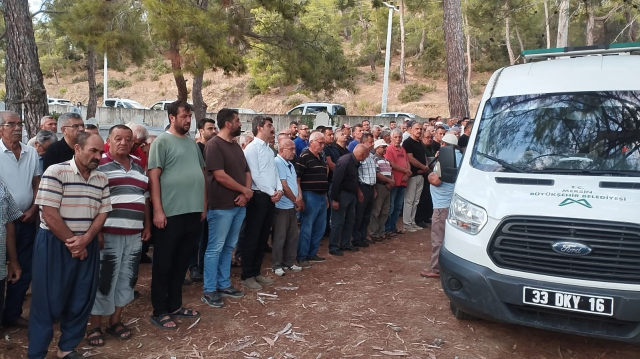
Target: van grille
(524, 244)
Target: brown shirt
(227, 156)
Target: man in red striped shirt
(128, 224)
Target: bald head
(361, 152)
(286, 149)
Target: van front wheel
(460, 314)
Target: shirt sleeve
(50, 190)
(106, 200)
(37, 171)
(281, 168)
(301, 166)
(157, 154)
(12, 212)
(258, 175)
(336, 184)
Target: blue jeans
(313, 222)
(395, 206)
(224, 227)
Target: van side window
(296, 111)
(311, 110)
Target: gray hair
(315, 136)
(45, 118)
(45, 136)
(377, 127)
(396, 131)
(385, 133)
(244, 137)
(139, 131)
(7, 114)
(66, 117)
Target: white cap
(450, 139)
(379, 143)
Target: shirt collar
(4, 148)
(109, 157)
(282, 159)
(260, 142)
(75, 169)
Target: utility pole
(104, 96)
(387, 60)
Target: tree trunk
(457, 87)
(563, 24)
(199, 106)
(24, 84)
(91, 77)
(467, 35)
(519, 40)
(424, 36)
(546, 22)
(633, 32)
(591, 21)
(403, 76)
(176, 66)
(507, 40)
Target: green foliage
(301, 92)
(100, 89)
(162, 93)
(413, 92)
(155, 77)
(252, 88)
(293, 101)
(370, 78)
(3, 94)
(118, 84)
(395, 75)
(55, 115)
(477, 87)
(159, 66)
(62, 90)
(79, 78)
(206, 83)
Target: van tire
(460, 315)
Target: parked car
(162, 105)
(398, 114)
(59, 101)
(122, 103)
(313, 108)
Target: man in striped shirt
(384, 184)
(74, 202)
(128, 224)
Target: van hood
(503, 194)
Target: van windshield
(584, 133)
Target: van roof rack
(626, 47)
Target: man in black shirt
(463, 141)
(207, 131)
(425, 205)
(60, 151)
(343, 196)
(418, 159)
(332, 155)
(341, 143)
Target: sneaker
(294, 268)
(410, 229)
(231, 292)
(279, 272)
(416, 227)
(304, 264)
(213, 300)
(251, 284)
(196, 275)
(264, 280)
(315, 259)
(335, 252)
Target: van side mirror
(448, 165)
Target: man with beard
(66, 251)
(229, 190)
(176, 180)
(293, 130)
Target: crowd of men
(80, 212)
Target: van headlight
(466, 216)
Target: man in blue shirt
(441, 193)
(302, 141)
(358, 130)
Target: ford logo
(571, 248)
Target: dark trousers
(363, 214)
(260, 212)
(171, 252)
(64, 290)
(342, 221)
(285, 238)
(425, 206)
(25, 236)
(197, 257)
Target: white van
(543, 229)
(313, 108)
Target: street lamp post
(387, 60)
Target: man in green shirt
(176, 180)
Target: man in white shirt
(261, 208)
(20, 171)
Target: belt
(367, 185)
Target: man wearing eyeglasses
(20, 171)
(61, 151)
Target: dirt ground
(367, 304)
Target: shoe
(187, 281)
(136, 294)
(145, 259)
(335, 252)
(416, 227)
(423, 224)
(213, 300)
(410, 229)
(279, 272)
(391, 234)
(304, 264)
(231, 292)
(20, 323)
(350, 248)
(315, 259)
(196, 275)
(251, 284)
(294, 268)
(360, 244)
(268, 249)
(264, 280)
(429, 274)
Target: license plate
(568, 301)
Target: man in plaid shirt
(366, 194)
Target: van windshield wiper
(589, 172)
(502, 163)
